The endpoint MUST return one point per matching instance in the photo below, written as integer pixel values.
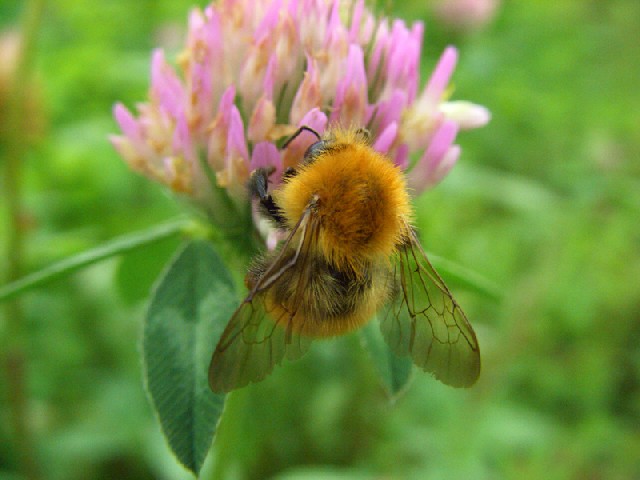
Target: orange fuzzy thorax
(362, 205)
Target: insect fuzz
(350, 209)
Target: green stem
(229, 435)
(115, 247)
(15, 358)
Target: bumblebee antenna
(297, 134)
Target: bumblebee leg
(259, 188)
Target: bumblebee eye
(314, 150)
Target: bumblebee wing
(256, 338)
(424, 321)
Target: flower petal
(441, 75)
(265, 155)
(427, 170)
(386, 138)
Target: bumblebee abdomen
(332, 301)
(362, 202)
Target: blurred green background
(545, 202)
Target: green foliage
(544, 202)
(394, 371)
(189, 309)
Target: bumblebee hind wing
(424, 321)
(251, 345)
(258, 336)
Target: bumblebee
(350, 253)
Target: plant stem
(229, 435)
(15, 359)
(112, 248)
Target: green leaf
(394, 371)
(138, 269)
(189, 309)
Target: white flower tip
(466, 114)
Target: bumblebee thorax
(360, 200)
